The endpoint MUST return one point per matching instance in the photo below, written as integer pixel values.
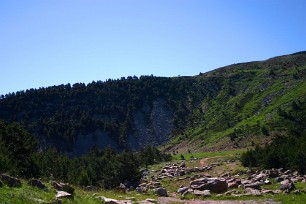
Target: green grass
(29, 195)
(208, 154)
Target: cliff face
(153, 126)
(233, 106)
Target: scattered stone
(234, 183)
(277, 191)
(267, 182)
(10, 181)
(36, 183)
(267, 191)
(63, 194)
(255, 185)
(182, 190)
(204, 193)
(253, 191)
(63, 187)
(287, 185)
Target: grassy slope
(245, 109)
(28, 195)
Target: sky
(52, 42)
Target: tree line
(20, 156)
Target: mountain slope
(230, 107)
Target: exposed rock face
(63, 187)
(153, 126)
(10, 181)
(36, 183)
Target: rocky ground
(210, 180)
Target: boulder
(287, 185)
(36, 183)
(215, 185)
(10, 181)
(62, 187)
(161, 192)
(63, 194)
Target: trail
(204, 160)
(165, 200)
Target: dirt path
(203, 161)
(165, 200)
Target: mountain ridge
(232, 106)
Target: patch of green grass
(29, 195)
(208, 154)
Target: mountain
(235, 106)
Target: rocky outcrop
(153, 125)
(36, 183)
(10, 181)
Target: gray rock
(63, 194)
(36, 183)
(205, 193)
(287, 185)
(10, 181)
(215, 185)
(253, 191)
(161, 192)
(62, 187)
(182, 190)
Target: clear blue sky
(52, 42)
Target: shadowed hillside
(234, 106)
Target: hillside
(234, 106)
